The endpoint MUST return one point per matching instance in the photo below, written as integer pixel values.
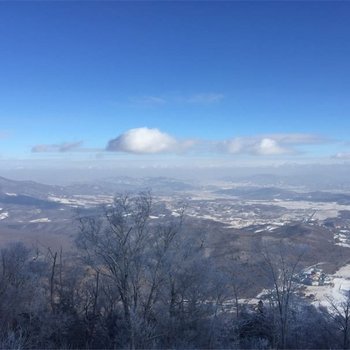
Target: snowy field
(326, 295)
(40, 220)
(4, 215)
(82, 200)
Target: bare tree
(281, 266)
(14, 296)
(340, 313)
(123, 246)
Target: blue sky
(175, 79)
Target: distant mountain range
(36, 194)
(273, 193)
(27, 200)
(30, 192)
(306, 177)
(27, 188)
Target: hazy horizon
(335, 175)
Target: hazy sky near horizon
(174, 80)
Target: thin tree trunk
(52, 281)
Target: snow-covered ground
(342, 238)
(4, 215)
(41, 220)
(335, 293)
(324, 210)
(274, 213)
(82, 200)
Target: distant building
(313, 276)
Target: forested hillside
(136, 284)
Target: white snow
(4, 215)
(41, 220)
(343, 238)
(346, 245)
(82, 200)
(335, 293)
(324, 210)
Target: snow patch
(334, 293)
(41, 220)
(4, 215)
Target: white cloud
(62, 147)
(147, 141)
(268, 145)
(298, 139)
(342, 155)
(233, 146)
(154, 141)
(264, 146)
(151, 141)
